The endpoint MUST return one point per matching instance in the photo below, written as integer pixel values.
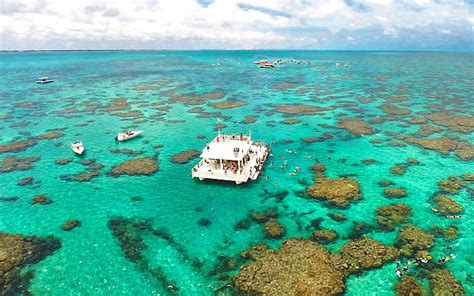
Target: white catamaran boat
(77, 147)
(231, 158)
(127, 135)
(43, 80)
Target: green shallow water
(90, 260)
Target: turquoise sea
(163, 87)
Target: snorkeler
(452, 246)
(447, 258)
(420, 260)
(398, 270)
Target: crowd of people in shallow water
(418, 261)
(447, 216)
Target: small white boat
(127, 135)
(43, 80)
(77, 147)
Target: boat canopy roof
(225, 150)
(43, 78)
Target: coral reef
(25, 181)
(455, 123)
(84, 176)
(369, 161)
(339, 217)
(449, 234)
(296, 109)
(337, 191)
(356, 126)
(273, 229)
(411, 239)
(392, 215)
(396, 192)
(70, 225)
(256, 252)
(41, 199)
(318, 167)
(250, 119)
(137, 166)
(463, 149)
(409, 286)
(229, 104)
(394, 110)
(359, 228)
(300, 267)
(304, 267)
(119, 104)
(324, 236)
(184, 156)
(129, 233)
(127, 151)
(242, 224)
(16, 251)
(291, 121)
(452, 185)
(385, 183)
(366, 253)
(468, 177)
(442, 282)
(262, 217)
(204, 222)
(13, 163)
(63, 161)
(49, 136)
(129, 114)
(398, 169)
(17, 146)
(446, 205)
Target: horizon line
(259, 49)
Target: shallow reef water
(398, 124)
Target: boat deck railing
(249, 171)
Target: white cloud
(222, 23)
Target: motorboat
(77, 147)
(43, 80)
(127, 135)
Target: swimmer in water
(452, 246)
(447, 258)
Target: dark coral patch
(137, 166)
(184, 156)
(13, 163)
(17, 146)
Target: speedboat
(77, 147)
(127, 135)
(43, 80)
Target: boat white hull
(77, 148)
(124, 136)
(44, 82)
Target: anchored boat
(77, 147)
(43, 80)
(127, 135)
(232, 157)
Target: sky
(237, 24)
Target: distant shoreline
(230, 50)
